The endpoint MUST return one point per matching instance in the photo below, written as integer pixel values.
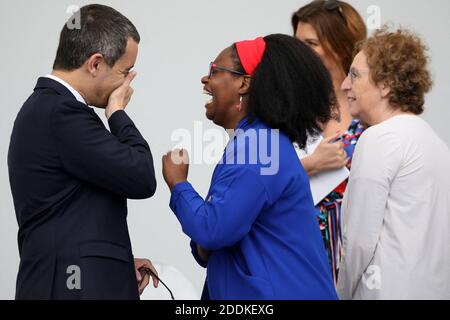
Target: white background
(179, 39)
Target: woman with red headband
(256, 231)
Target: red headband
(250, 53)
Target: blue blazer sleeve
(119, 161)
(235, 200)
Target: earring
(239, 106)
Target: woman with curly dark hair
(396, 211)
(256, 232)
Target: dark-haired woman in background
(332, 29)
(256, 232)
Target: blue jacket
(261, 228)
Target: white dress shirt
(396, 214)
(69, 87)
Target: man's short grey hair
(102, 30)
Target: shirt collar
(76, 94)
(242, 123)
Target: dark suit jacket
(70, 179)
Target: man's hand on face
(119, 98)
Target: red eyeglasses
(213, 67)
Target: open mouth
(351, 99)
(210, 96)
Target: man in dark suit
(71, 177)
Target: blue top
(258, 222)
